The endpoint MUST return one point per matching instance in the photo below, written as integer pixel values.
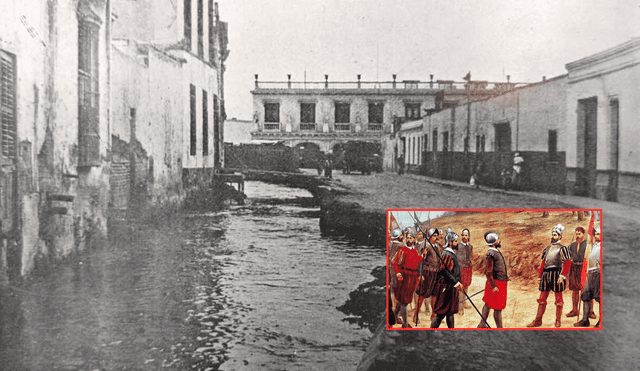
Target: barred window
(88, 94)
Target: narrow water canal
(252, 287)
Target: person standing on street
(495, 289)
(401, 165)
(592, 286)
(428, 272)
(465, 254)
(405, 264)
(516, 176)
(576, 251)
(447, 287)
(552, 275)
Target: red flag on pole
(393, 224)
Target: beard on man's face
(554, 240)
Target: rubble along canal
(251, 287)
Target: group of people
(438, 267)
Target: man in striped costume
(447, 286)
(554, 267)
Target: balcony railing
(307, 126)
(342, 127)
(271, 126)
(374, 127)
(397, 85)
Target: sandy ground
(521, 309)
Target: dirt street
(614, 347)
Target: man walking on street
(447, 287)
(405, 264)
(495, 289)
(576, 251)
(465, 254)
(552, 275)
(592, 286)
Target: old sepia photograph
(463, 265)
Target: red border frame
(388, 211)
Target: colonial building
(323, 114)
(54, 178)
(603, 111)
(485, 134)
(168, 96)
(576, 132)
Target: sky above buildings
(413, 39)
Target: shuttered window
(8, 107)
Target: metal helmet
(558, 229)
(449, 238)
(431, 232)
(491, 238)
(395, 233)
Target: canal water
(251, 287)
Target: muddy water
(253, 287)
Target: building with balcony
(325, 114)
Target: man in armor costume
(428, 272)
(576, 251)
(405, 264)
(552, 275)
(465, 253)
(495, 289)
(447, 286)
(592, 286)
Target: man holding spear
(576, 251)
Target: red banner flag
(393, 224)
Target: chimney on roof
(394, 80)
(431, 81)
(326, 81)
(508, 78)
(359, 81)
(289, 82)
(256, 75)
(544, 78)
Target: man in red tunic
(405, 264)
(552, 275)
(495, 289)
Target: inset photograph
(494, 269)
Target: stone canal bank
(355, 206)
